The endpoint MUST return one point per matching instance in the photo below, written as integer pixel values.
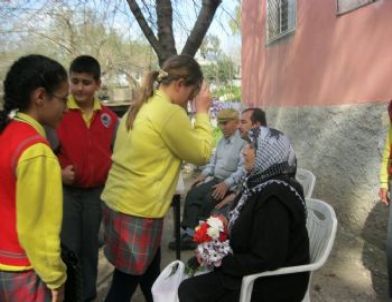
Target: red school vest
(14, 140)
(89, 150)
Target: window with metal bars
(281, 18)
(345, 6)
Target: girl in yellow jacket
(31, 269)
(153, 138)
(384, 194)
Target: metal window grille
(345, 6)
(281, 18)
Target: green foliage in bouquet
(192, 266)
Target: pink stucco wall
(328, 60)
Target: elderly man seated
(218, 178)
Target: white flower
(213, 232)
(212, 253)
(215, 222)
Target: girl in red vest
(35, 95)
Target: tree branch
(53, 40)
(149, 34)
(202, 24)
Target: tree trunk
(164, 45)
(165, 30)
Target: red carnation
(223, 236)
(201, 235)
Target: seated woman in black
(267, 229)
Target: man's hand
(223, 219)
(383, 194)
(219, 191)
(68, 175)
(227, 200)
(197, 182)
(58, 294)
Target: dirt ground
(355, 270)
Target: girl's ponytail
(145, 92)
(9, 103)
(174, 68)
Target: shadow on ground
(372, 259)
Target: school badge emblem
(106, 120)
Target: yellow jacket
(39, 210)
(147, 158)
(386, 161)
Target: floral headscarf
(274, 157)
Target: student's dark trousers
(199, 203)
(124, 285)
(81, 220)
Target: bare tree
(163, 41)
(64, 31)
(162, 22)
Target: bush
(217, 135)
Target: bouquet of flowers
(213, 244)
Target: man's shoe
(186, 243)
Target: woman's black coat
(270, 233)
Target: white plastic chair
(307, 179)
(321, 225)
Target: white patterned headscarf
(274, 157)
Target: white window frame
(346, 6)
(280, 22)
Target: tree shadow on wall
(373, 254)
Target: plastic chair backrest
(307, 179)
(321, 225)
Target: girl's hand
(58, 294)
(203, 100)
(68, 175)
(383, 195)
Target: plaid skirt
(23, 286)
(131, 242)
